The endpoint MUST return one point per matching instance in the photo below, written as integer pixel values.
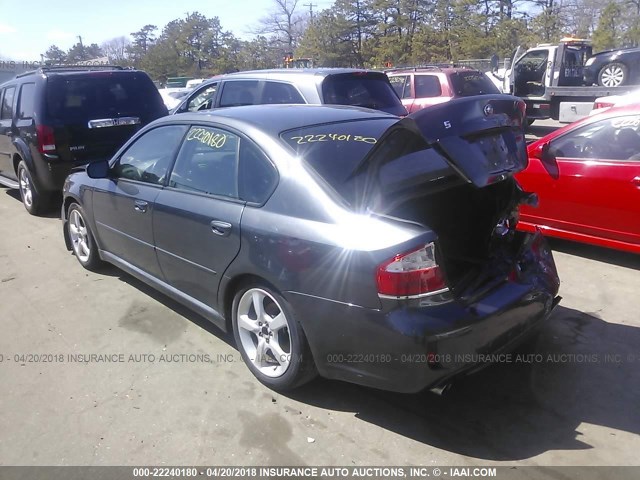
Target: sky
(26, 33)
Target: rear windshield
(98, 95)
(336, 151)
(466, 84)
(369, 90)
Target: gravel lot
(578, 407)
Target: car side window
(7, 103)
(427, 86)
(278, 92)
(239, 92)
(616, 138)
(207, 162)
(204, 99)
(25, 107)
(257, 175)
(401, 85)
(149, 158)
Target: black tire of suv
(39, 200)
(93, 262)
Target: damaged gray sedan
(337, 241)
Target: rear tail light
(598, 105)
(410, 274)
(46, 139)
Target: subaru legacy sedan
(332, 240)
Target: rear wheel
(271, 341)
(82, 241)
(33, 199)
(613, 75)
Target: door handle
(636, 181)
(221, 228)
(140, 206)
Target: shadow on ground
(52, 212)
(518, 410)
(600, 254)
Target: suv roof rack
(71, 68)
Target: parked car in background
(422, 87)
(587, 177)
(333, 86)
(320, 235)
(55, 118)
(173, 96)
(195, 82)
(613, 68)
(603, 103)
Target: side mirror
(542, 152)
(98, 169)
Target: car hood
(481, 138)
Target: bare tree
(283, 23)
(116, 49)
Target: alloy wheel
(612, 76)
(79, 236)
(25, 188)
(264, 333)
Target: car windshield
(466, 84)
(366, 89)
(96, 95)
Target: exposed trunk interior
(465, 218)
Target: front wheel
(613, 75)
(271, 341)
(82, 241)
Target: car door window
(239, 92)
(207, 162)
(616, 138)
(401, 85)
(25, 107)
(427, 86)
(278, 92)
(7, 103)
(257, 175)
(203, 100)
(149, 158)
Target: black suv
(55, 118)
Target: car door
(123, 203)
(597, 190)
(196, 221)
(202, 98)
(6, 131)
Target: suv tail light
(46, 139)
(410, 274)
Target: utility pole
(310, 5)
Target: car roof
(434, 69)
(274, 119)
(608, 113)
(298, 72)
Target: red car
(420, 87)
(587, 177)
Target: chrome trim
(411, 297)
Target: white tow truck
(550, 79)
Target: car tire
(271, 341)
(613, 74)
(33, 199)
(83, 243)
